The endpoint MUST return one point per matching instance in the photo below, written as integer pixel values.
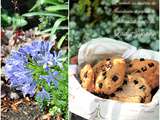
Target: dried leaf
(15, 104)
(59, 117)
(46, 117)
(4, 109)
(14, 108)
(27, 101)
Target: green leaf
(155, 45)
(18, 22)
(60, 42)
(41, 2)
(54, 110)
(56, 8)
(56, 25)
(42, 14)
(115, 2)
(6, 18)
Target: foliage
(51, 14)
(39, 69)
(103, 22)
(14, 20)
(40, 72)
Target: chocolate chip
(104, 77)
(100, 85)
(80, 82)
(125, 82)
(138, 71)
(135, 82)
(108, 65)
(130, 65)
(115, 78)
(142, 59)
(144, 68)
(150, 64)
(85, 75)
(142, 87)
(112, 95)
(142, 100)
(119, 89)
(104, 74)
(108, 59)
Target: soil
(26, 112)
(15, 107)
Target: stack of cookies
(118, 79)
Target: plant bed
(34, 61)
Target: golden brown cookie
(103, 65)
(132, 99)
(134, 89)
(149, 69)
(87, 77)
(109, 75)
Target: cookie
(87, 77)
(103, 65)
(148, 69)
(109, 75)
(134, 89)
(135, 99)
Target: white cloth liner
(91, 107)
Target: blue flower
(58, 58)
(39, 51)
(43, 95)
(51, 77)
(18, 72)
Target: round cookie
(109, 75)
(148, 69)
(134, 89)
(87, 77)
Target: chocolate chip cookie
(149, 69)
(134, 89)
(109, 75)
(87, 77)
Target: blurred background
(100, 18)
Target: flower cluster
(29, 68)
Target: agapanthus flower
(51, 77)
(43, 94)
(38, 54)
